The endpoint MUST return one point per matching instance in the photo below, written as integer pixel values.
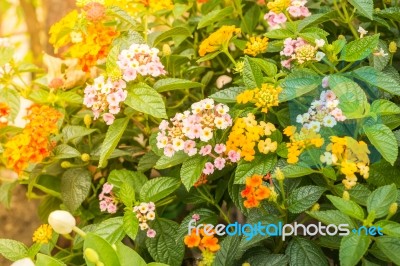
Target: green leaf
(214, 16)
(64, 151)
(145, 99)
(74, 134)
(130, 223)
(384, 107)
(267, 67)
(353, 100)
(348, 207)
(75, 187)
(113, 136)
(390, 246)
(128, 256)
(383, 139)
(303, 252)
(392, 13)
(117, 12)
(163, 247)
(252, 76)
(250, 19)
(304, 197)
(359, 193)
(389, 228)
(170, 84)
(378, 79)
(268, 260)
(261, 165)
(209, 56)
(235, 194)
(359, 49)
(111, 230)
(106, 253)
(292, 170)
(353, 248)
(127, 195)
(70, 97)
(227, 95)
(44, 260)
(381, 199)
(279, 34)
(135, 179)
(148, 161)
(158, 188)
(316, 19)
(332, 217)
(380, 62)
(364, 7)
(167, 162)
(13, 250)
(192, 169)
(228, 252)
(178, 31)
(329, 172)
(298, 83)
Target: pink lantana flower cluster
(299, 51)
(323, 112)
(146, 212)
(104, 96)
(220, 157)
(200, 123)
(296, 9)
(140, 59)
(108, 202)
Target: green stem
(282, 188)
(317, 70)
(211, 201)
(345, 68)
(79, 231)
(225, 50)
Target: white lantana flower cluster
(323, 112)
(200, 123)
(146, 212)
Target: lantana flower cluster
(146, 212)
(264, 97)
(108, 201)
(299, 141)
(300, 51)
(33, 144)
(350, 156)
(280, 10)
(104, 97)
(256, 45)
(91, 43)
(140, 59)
(4, 113)
(247, 133)
(43, 234)
(323, 112)
(205, 242)
(218, 40)
(199, 124)
(254, 192)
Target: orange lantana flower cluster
(32, 145)
(4, 112)
(255, 191)
(201, 240)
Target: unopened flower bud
(279, 174)
(393, 208)
(61, 221)
(166, 49)
(392, 47)
(330, 47)
(341, 37)
(246, 264)
(23, 262)
(87, 119)
(91, 255)
(85, 157)
(273, 195)
(66, 164)
(346, 195)
(315, 207)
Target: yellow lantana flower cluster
(264, 97)
(278, 6)
(43, 234)
(256, 46)
(350, 156)
(299, 141)
(218, 40)
(247, 133)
